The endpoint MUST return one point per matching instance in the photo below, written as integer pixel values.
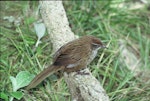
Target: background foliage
(118, 23)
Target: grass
(99, 18)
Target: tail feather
(43, 75)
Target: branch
(82, 87)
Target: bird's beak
(104, 46)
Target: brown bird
(73, 56)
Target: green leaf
(22, 79)
(4, 96)
(18, 95)
(39, 29)
(14, 83)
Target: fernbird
(73, 56)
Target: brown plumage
(73, 56)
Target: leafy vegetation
(107, 20)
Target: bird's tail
(43, 75)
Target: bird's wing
(70, 55)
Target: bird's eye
(94, 45)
